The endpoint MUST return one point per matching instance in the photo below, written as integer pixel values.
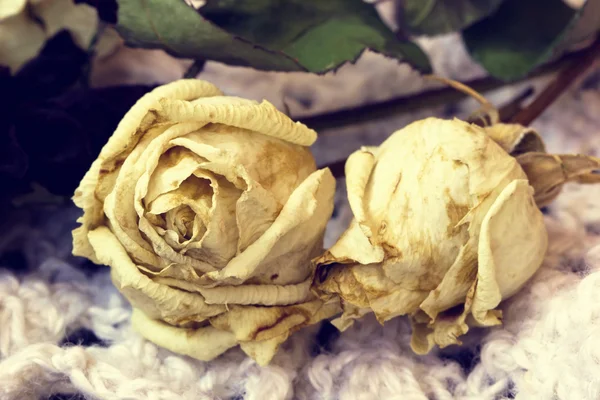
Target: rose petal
(250, 323)
(547, 173)
(156, 301)
(203, 343)
(358, 170)
(516, 139)
(503, 267)
(92, 191)
(301, 221)
(263, 118)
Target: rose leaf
(523, 34)
(436, 17)
(293, 35)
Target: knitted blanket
(65, 331)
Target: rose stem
(558, 86)
(194, 69)
(429, 98)
(577, 63)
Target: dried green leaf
(311, 36)
(435, 17)
(521, 35)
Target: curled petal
(263, 118)
(302, 219)
(265, 295)
(547, 173)
(204, 343)
(516, 139)
(503, 267)
(157, 301)
(99, 181)
(358, 170)
(260, 324)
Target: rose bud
(445, 227)
(446, 223)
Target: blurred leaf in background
(523, 34)
(281, 35)
(26, 26)
(52, 129)
(435, 17)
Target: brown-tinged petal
(184, 277)
(123, 205)
(263, 351)
(453, 288)
(365, 287)
(516, 139)
(352, 246)
(446, 329)
(98, 182)
(203, 343)
(256, 210)
(263, 118)
(278, 166)
(265, 295)
(250, 323)
(293, 237)
(504, 267)
(157, 301)
(547, 173)
(351, 313)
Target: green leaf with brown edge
(520, 36)
(436, 17)
(311, 35)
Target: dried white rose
(209, 209)
(25, 25)
(445, 227)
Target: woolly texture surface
(67, 331)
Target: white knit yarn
(546, 349)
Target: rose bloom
(445, 227)
(209, 209)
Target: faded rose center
(182, 209)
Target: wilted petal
(157, 301)
(262, 351)
(516, 139)
(262, 118)
(301, 220)
(203, 343)
(445, 330)
(503, 267)
(270, 326)
(547, 173)
(99, 181)
(358, 170)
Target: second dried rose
(445, 226)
